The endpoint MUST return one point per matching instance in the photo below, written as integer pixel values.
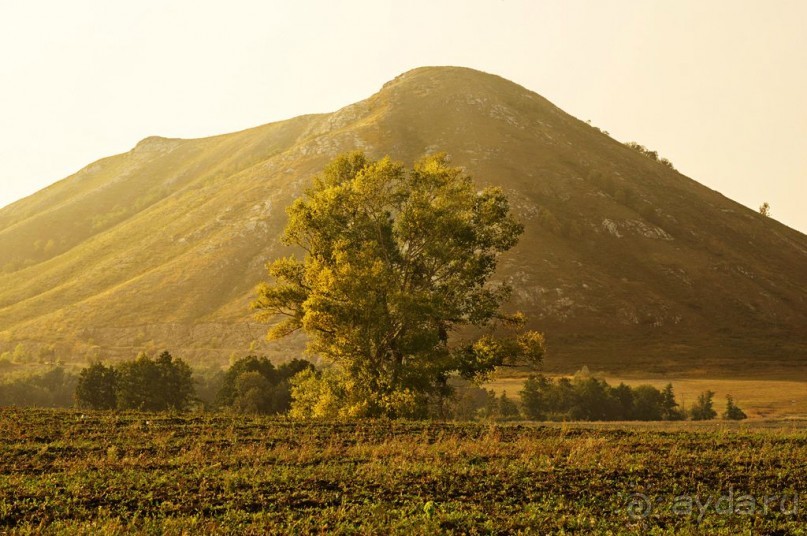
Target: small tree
(625, 399)
(138, 382)
(97, 387)
(733, 413)
(533, 396)
(647, 406)
(669, 407)
(703, 410)
(505, 408)
(253, 393)
(176, 389)
(765, 209)
(561, 400)
(593, 401)
(261, 365)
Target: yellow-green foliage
(395, 262)
(317, 395)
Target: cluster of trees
(704, 410)
(569, 228)
(592, 399)
(22, 355)
(653, 155)
(52, 388)
(254, 385)
(144, 383)
(581, 398)
(471, 402)
(251, 385)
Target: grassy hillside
(625, 263)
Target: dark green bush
(254, 385)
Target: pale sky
(718, 87)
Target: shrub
(652, 155)
(733, 413)
(506, 409)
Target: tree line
(254, 385)
(250, 385)
(593, 399)
(52, 388)
(649, 153)
(145, 383)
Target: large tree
(396, 262)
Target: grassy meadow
(68, 472)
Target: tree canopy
(97, 387)
(593, 399)
(703, 410)
(396, 263)
(144, 384)
(254, 385)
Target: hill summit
(625, 263)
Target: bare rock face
(625, 263)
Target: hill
(625, 263)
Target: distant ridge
(625, 263)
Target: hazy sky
(718, 87)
